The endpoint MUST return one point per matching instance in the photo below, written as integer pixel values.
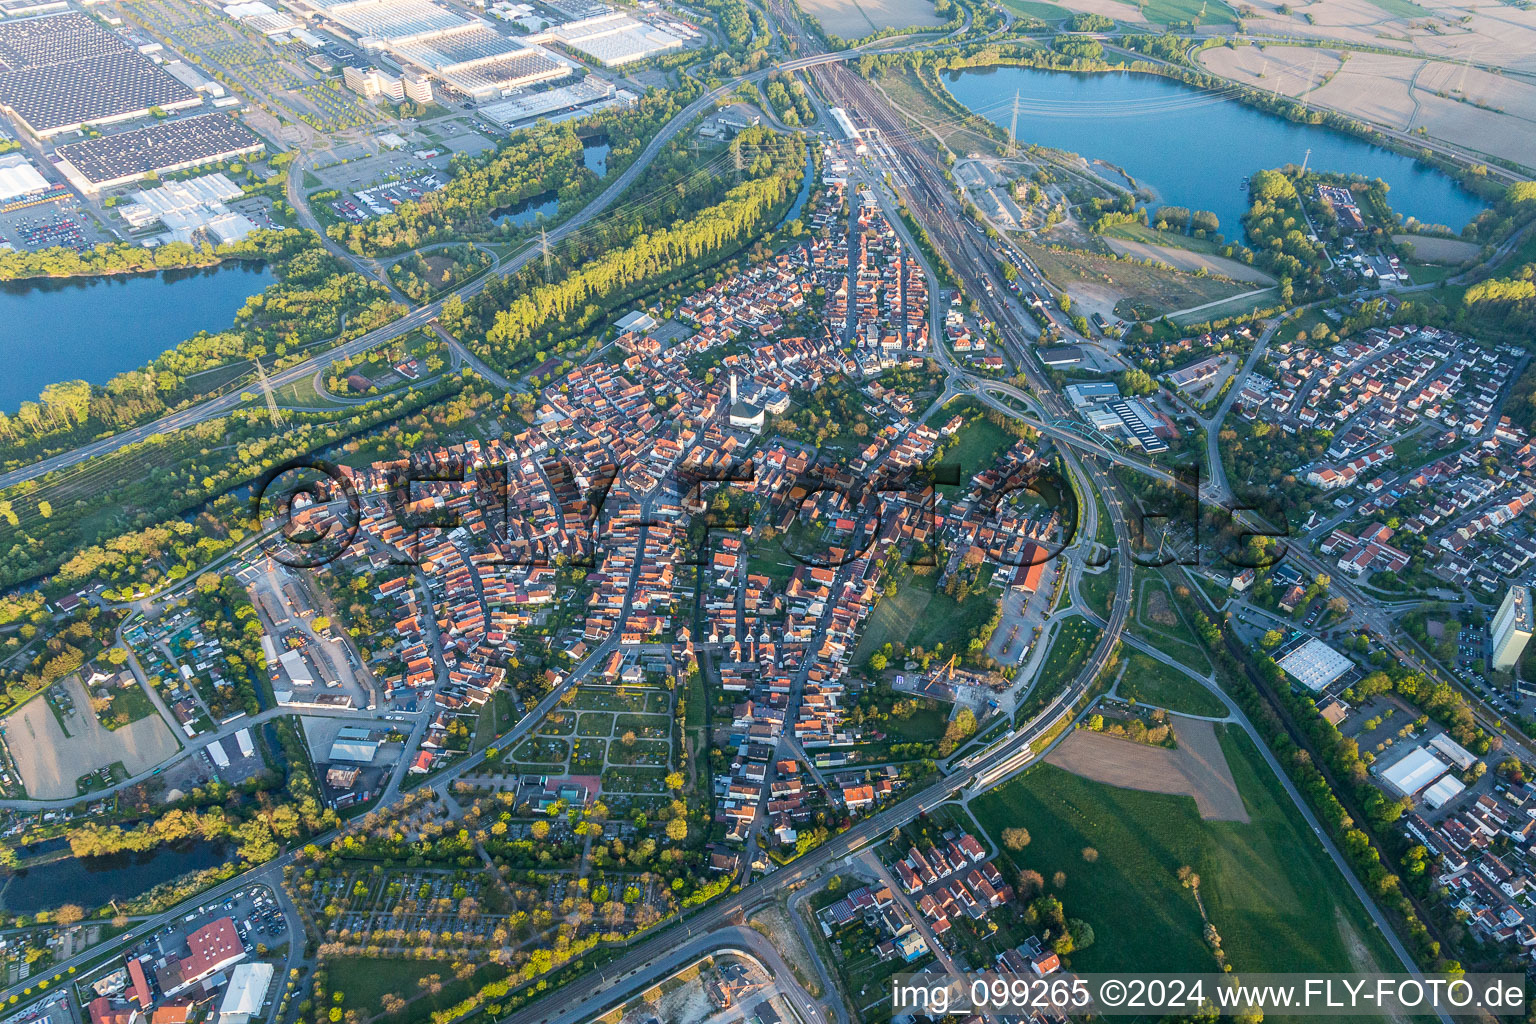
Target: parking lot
(364, 204)
(43, 225)
(254, 910)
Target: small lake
(594, 154)
(95, 328)
(92, 881)
(1192, 147)
(528, 211)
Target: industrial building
(61, 72)
(375, 84)
(1511, 629)
(466, 54)
(111, 160)
(1414, 772)
(523, 105)
(614, 39)
(353, 744)
(1196, 373)
(1101, 404)
(19, 178)
(1314, 664)
(189, 209)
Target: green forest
(698, 222)
(532, 162)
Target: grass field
(1134, 290)
(1235, 306)
(1170, 633)
(921, 615)
(362, 982)
(893, 618)
(1209, 12)
(1268, 885)
(977, 444)
(1402, 9)
(129, 704)
(1152, 236)
(1036, 9)
(1098, 590)
(1151, 682)
(1070, 648)
(925, 724)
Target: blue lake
(594, 154)
(95, 328)
(1192, 147)
(542, 206)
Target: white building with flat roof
(247, 991)
(1511, 629)
(1414, 773)
(1443, 792)
(19, 178)
(1314, 664)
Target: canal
(93, 881)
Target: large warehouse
(1415, 772)
(96, 164)
(466, 54)
(61, 72)
(19, 178)
(615, 39)
(1314, 664)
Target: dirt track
(1197, 768)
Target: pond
(798, 205)
(528, 211)
(92, 881)
(95, 328)
(594, 154)
(1194, 148)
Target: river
(92, 881)
(95, 328)
(1193, 147)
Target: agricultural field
(53, 749)
(1267, 884)
(1195, 768)
(1483, 111)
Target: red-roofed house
(213, 947)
